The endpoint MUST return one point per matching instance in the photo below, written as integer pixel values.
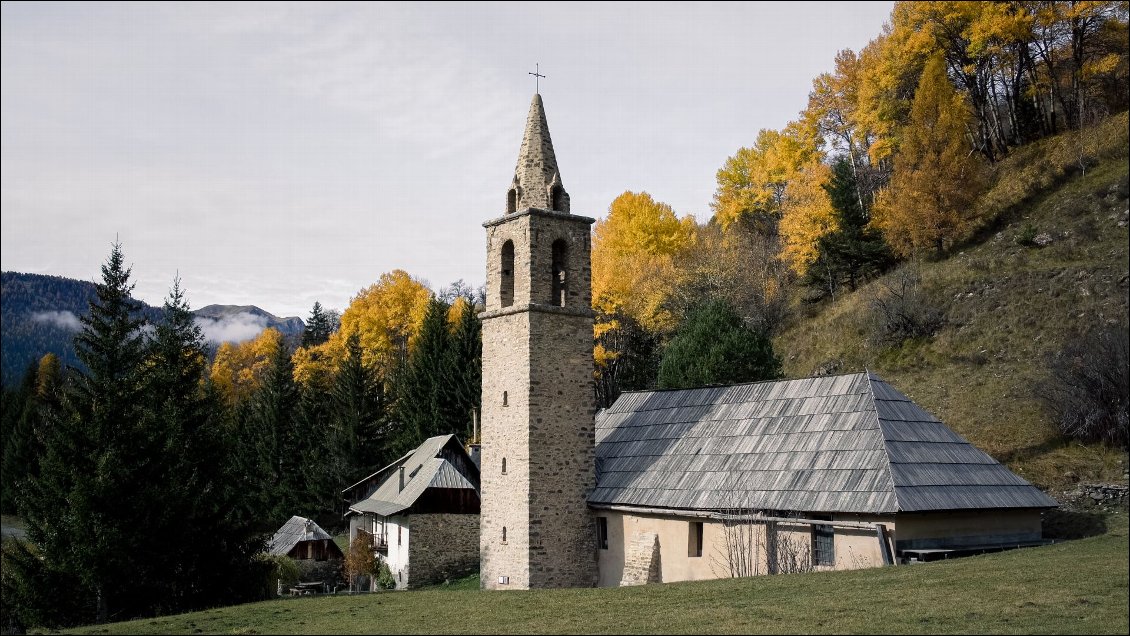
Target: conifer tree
(714, 346)
(424, 396)
(193, 470)
(357, 411)
(319, 327)
(853, 252)
(88, 503)
(466, 365)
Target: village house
(819, 473)
(421, 513)
(312, 548)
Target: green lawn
(1075, 587)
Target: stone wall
(537, 409)
(1097, 495)
(642, 560)
(443, 547)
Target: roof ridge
(883, 438)
(727, 386)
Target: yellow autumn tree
(238, 368)
(937, 176)
(632, 257)
(386, 316)
(753, 181)
(807, 216)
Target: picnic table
(306, 588)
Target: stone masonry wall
(443, 546)
(505, 496)
(540, 356)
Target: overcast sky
(278, 154)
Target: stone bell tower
(537, 404)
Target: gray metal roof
(847, 443)
(294, 531)
(422, 470)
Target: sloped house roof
(295, 531)
(847, 443)
(438, 476)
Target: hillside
(39, 314)
(1076, 587)
(1008, 304)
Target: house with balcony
(421, 513)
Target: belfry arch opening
(559, 287)
(557, 198)
(512, 200)
(506, 282)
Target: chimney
(401, 479)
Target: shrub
(900, 310)
(385, 580)
(1088, 386)
(278, 569)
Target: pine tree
(854, 252)
(273, 443)
(357, 411)
(426, 402)
(319, 327)
(88, 504)
(193, 471)
(714, 346)
(466, 365)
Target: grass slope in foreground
(1076, 587)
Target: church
(833, 472)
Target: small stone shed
(421, 512)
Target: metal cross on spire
(537, 76)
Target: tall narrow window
(823, 543)
(503, 465)
(511, 200)
(504, 534)
(602, 532)
(506, 284)
(398, 535)
(694, 539)
(557, 198)
(505, 399)
(559, 286)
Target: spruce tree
(854, 252)
(466, 366)
(273, 446)
(193, 469)
(319, 327)
(87, 506)
(357, 400)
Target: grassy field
(1075, 587)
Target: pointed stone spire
(537, 181)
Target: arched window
(506, 285)
(559, 285)
(512, 200)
